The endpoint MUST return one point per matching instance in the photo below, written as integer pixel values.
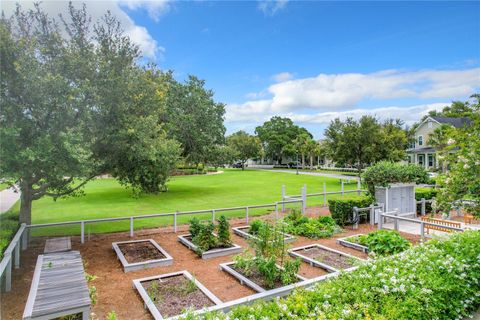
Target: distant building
(420, 152)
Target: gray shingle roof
(456, 122)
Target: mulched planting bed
(218, 251)
(258, 278)
(174, 295)
(140, 251)
(244, 232)
(328, 257)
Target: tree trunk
(26, 204)
(303, 160)
(311, 162)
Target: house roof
(456, 122)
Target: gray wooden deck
(58, 287)
(59, 244)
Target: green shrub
(384, 173)
(384, 242)
(315, 228)
(8, 228)
(205, 239)
(427, 194)
(341, 209)
(224, 232)
(437, 280)
(195, 227)
(255, 226)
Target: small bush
(195, 227)
(341, 209)
(205, 239)
(384, 242)
(427, 194)
(255, 226)
(224, 232)
(297, 224)
(8, 228)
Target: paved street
(8, 198)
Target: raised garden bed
(186, 240)
(141, 254)
(324, 257)
(350, 243)
(243, 232)
(169, 295)
(255, 281)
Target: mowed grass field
(105, 198)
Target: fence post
(395, 222)
(356, 218)
(359, 186)
(343, 190)
(304, 199)
(8, 274)
(82, 232)
(246, 213)
(283, 198)
(213, 215)
(25, 238)
(17, 255)
(423, 206)
(372, 214)
(380, 220)
(131, 227)
(422, 231)
(175, 221)
(324, 194)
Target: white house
(420, 152)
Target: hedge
(427, 194)
(8, 227)
(341, 208)
(437, 280)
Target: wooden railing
(12, 256)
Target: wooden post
(423, 207)
(82, 232)
(283, 198)
(380, 220)
(25, 238)
(372, 214)
(17, 255)
(8, 274)
(175, 221)
(246, 213)
(422, 231)
(356, 218)
(131, 227)
(213, 215)
(395, 221)
(359, 186)
(343, 190)
(324, 194)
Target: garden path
(8, 198)
(318, 174)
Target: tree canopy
(244, 145)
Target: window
(421, 160)
(420, 140)
(430, 160)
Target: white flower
(450, 141)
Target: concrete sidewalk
(8, 198)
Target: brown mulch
(327, 257)
(140, 251)
(173, 296)
(114, 287)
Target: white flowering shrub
(436, 280)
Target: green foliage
(366, 141)
(290, 270)
(427, 194)
(437, 280)
(245, 262)
(111, 316)
(255, 226)
(223, 232)
(341, 209)
(205, 239)
(384, 173)
(195, 227)
(244, 145)
(8, 227)
(384, 242)
(314, 228)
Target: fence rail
(13, 253)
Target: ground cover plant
(269, 267)
(315, 228)
(382, 242)
(107, 198)
(436, 280)
(204, 237)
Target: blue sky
(312, 61)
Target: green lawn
(106, 198)
(3, 186)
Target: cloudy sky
(311, 61)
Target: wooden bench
(469, 218)
(59, 288)
(59, 244)
(440, 223)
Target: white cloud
(139, 34)
(282, 76)
(155, 8)
(271, 7)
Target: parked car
(295, 164)
(238, 164)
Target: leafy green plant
(315, 228)
(152, 290)
(427, 194)
(223, 232)
(111, 316)
(384, 242)
(341, 209)
(195, 227)
(189, 286)
(245, 262)
(289, 274)
(255, 226)
(205, 239)
(269, 270)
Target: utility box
(398, 196)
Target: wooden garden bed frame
(132, 266)
(346, 243)
(137, 283)
(212, 253)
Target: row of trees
(76, 103)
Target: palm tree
(438, 140)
